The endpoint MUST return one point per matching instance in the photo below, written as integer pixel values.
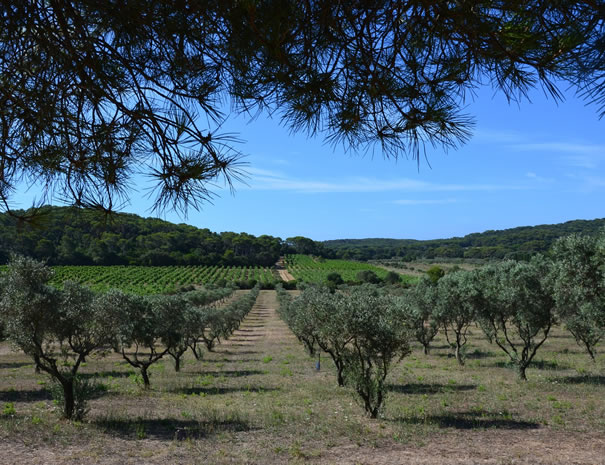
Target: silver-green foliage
(458, 298)
(143, 327)
(419, 303)
(518, 308)
(361, 329)
(578, 278)
(379, 337)
(58, 329)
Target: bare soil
(285, 275)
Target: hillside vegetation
(515, 243)
(70, 236)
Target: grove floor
(259, 400)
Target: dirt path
(285, 275)
(261, 332)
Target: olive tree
(330, 313)
(58, 329)
(183, 329)
(146, 331)
(518, 308)
(300, 321)
(216, 323)
(458, 297)
(578, 278)
(418, 304)
(317, 317)
(378, 339)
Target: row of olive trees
(361, 330)
(511, 301)
(59, 329)
(517, 303)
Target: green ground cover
(159, 279)
(315, 270)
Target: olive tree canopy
(93, 92)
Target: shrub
(392, 278)
(435, 273)
(368, 276)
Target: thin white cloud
(576, 155)
(561, 147)
(533, 176)
(585, 184)
(592, 183)
(424, 201)
(261, 179)
(582, 161)
(259, 172)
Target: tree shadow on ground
(470, 420)
(537, 364)
(237, 352)
(12, 365)
(438, 346)
(245, 338)
(231, 373)
(422, 388)
(596, 380)
(168, 429)
(480, 354)
(209, 390)
(236, 360)
(24, 395)
(106, 374)
(474, 355)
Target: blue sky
(535, 163)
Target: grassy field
(259, 400)
(418, 268)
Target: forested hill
(520, 243)
(70, 236)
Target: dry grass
(419, 268)
(259, 400)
